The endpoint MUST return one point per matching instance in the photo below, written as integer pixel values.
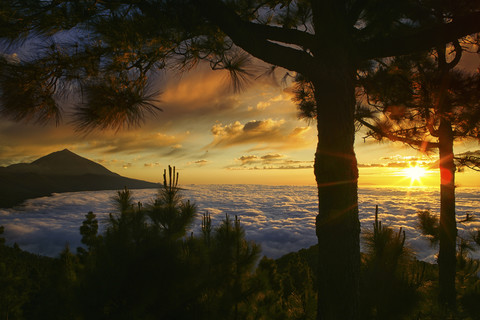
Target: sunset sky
(215, 136)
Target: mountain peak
(66, 162)
(60, 171)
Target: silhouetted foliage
(90, 237)
(429, 225)
(212, 277)
(232, 259)
(144, 265)
(467, 281)
(168, 213)
(390, 279)
(423, 101)
(2, 239)
(116, 46)
(25, 282)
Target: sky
(216, 136)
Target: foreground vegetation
(144, 265)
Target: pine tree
(387, 291)
(89, 232)
(425, 103)
(169, 213)
(119, 44)
(144, 265)
(467, 269)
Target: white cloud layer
(280, 218)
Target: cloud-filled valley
(280, 218)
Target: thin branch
(469, 159)
(288, 36)
(458, 54)
(424, 145)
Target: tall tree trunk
(447, 257)
(336, 173)
(448, 226)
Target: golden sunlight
(414, 173)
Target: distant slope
(68, 163)
(61, 171)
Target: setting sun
(414, 173)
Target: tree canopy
(110, 49)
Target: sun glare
(415, 173)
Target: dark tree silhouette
(145, 266)
(424, 102)
(2, 239)
(390, 281)
(168, 211)
(467, 268)
(116, 45)
(89, 232)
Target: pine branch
(423, 145)
(258, 40)
(469, 159)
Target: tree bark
(448, 226)
(336, 173)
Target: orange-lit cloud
(398, 164)
(155, 164)
(258, 132)
(135, 142)
(20, 142)
(198, 163)
(110, 162)
(288, 165)
(249, 159)
(192, 102)
(269, 161)
(399, 161)
(251, 132)
(262, 105)
(272, 157)
(25, 142)
(265, 159)
(199, 94)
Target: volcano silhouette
(61, 171)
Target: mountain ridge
(60, 171)
(56, 161)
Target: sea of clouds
(280, 218)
